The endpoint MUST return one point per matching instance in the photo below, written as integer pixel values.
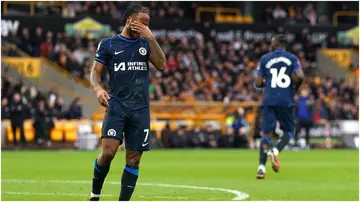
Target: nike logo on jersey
(116, 53)
(145, 144)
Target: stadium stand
(198, 69)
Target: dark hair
(132, 9)
(281, 39)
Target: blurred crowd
(198, 69)
(204, 137)
(299, 14)
(280, 12)
(20, 102)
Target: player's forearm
(259, 82)
(95, 79)
(297, 85)
(158, 57)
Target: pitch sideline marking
(238, 194)
(78, 194)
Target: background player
(281, 75)
(125, 57)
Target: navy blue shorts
(133, 126)
(285, 116)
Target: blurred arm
(157, 56)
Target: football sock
(265, 144)
(283, 141)
(99, 178)
(128, 182)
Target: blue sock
(128, 182)
(265, 145)
(99, 177)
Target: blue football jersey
(277, 68)
(127, 64)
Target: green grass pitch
(184, 175)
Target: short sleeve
(103, 51)
(296, 63)
(260, 68)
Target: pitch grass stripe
(238, 194)
(85, 195)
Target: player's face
(143, 18)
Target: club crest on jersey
(142, 51)
(111, 132)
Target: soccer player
(281, 75)
(125, 57)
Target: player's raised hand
(102, 97)
(142, 29)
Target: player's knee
(133, 159)
(107, 156)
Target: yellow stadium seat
(29, 132)
(70, 130)
(157, 125)
(70, 136)
(9, 134)
(251, 117)
(97, 128)
(57, 133)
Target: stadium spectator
(40, 124)
(38, 39)
(226, 140)
(202, 138)
(75, 110)
(5, 109)
(196, 137)
(26, 45)
(304, 115)
(154, 141)
(310, 14)
(5, 84)
(240, 126)
(279, 14)
(179, 138)
(165, 135)
(348, 112)
(267, 15)
(211, 136)
(17, 118)
(12, 51)
(59, 106)
(52, 96)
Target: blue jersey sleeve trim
(125, 39)
(101, 61)
(296, 67)
(260, 73)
